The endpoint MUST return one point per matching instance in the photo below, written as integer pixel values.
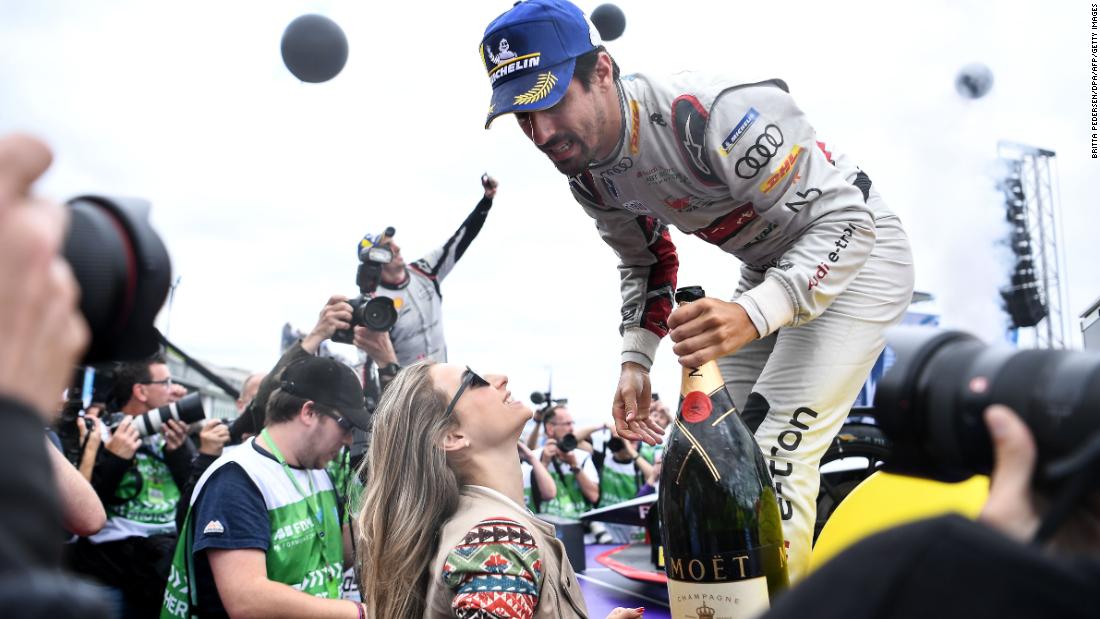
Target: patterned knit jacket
(497, 559)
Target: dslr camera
(124, 273)
(376, 313)
(931, 404)
(187, 409)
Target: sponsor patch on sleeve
(214, 527)
(782, 171)
(738, 131)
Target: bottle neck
(705, 378)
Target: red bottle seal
(696, 407)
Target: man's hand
(93, 436)
(125, 440)
(549, 451)
(525, 453)
(631, 406)
(570, 458)
(175, 433)
(707, 329)
(490, 185)
(334, 316)
(376, 344)
(1010, 507)
(213, 437)
(628, 447)
(42, 330)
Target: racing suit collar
(404, 283)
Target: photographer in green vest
(264, 536)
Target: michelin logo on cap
(506, 62)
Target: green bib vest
(303, 553)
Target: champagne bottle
(720, 523)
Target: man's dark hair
(586, 67)
(283, 407)
(130, 373)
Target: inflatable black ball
(974, 81)
(609, 21)
(315, 49)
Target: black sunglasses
(343, 422)
(469, 377)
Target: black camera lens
(123, 271)
(567, 443)
(615, 444)
(187, 409)
(378, 314)
(931, 402)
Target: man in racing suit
(826, 266)
(415, 290)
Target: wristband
(389, 370)
(362, 613)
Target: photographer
(44, 335)
(263, 537)
(415, 289)
(624, 472)
(953, 567)
(90, 439)
(139, 482)
(535, 476)
(572, 469)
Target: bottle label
(696, 407)
(727, 566)
(726, 600)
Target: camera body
(376, 313)
(931, 404)
(567, 443)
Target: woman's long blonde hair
(410, 492)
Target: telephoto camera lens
(187, 409)
(931, 402)
(123, 271)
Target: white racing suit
(418, 332)
(826, 266)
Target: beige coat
(559, 594)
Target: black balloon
(974, 81)
(609, 21)
(315, 49)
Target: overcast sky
(263, 185)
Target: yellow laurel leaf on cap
(539, 91)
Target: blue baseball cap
(529, 53)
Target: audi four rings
(766, 146)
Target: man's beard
(574, 165)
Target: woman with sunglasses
(443, 531)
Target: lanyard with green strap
(318, 508)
